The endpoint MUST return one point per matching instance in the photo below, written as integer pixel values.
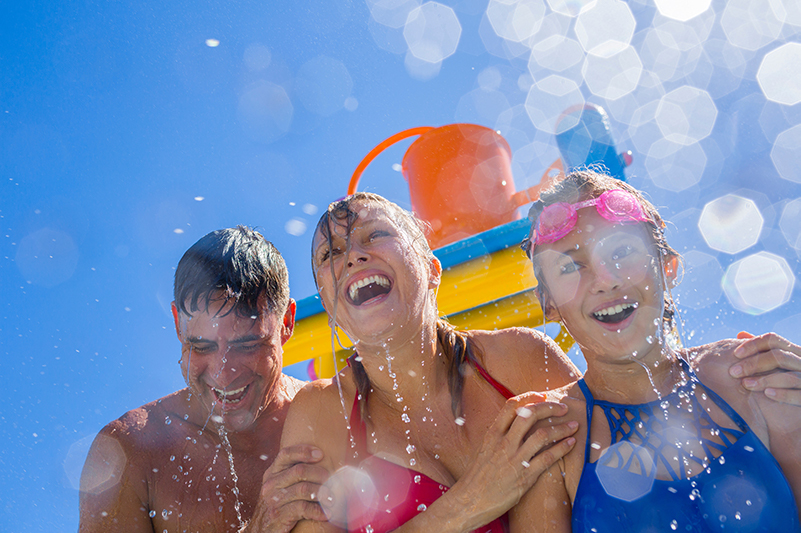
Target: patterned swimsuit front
(740, 487)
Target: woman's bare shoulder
(525, 359)
(316, 416)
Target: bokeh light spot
(750, 24)
(730, 223)
(106, 469)
(556, 53)
(622, 484)
(571, 8)
(548, 98)
(257, 57)
(701, 284)
(612, 77)
(786, 155)
(432, 32)
(516, 20)
(779, 76)
(790, 223)
(682, 10)
(295, 227)
(606, 28)
(323, 84)
(47, 257)
(686, 115)
(391, 13)
(675, 167)
(759, 283)
(265, 111)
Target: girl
(669, 441)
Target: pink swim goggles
(559, 219)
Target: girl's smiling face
(603, 280)
(376, 274)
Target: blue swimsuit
(741, 487)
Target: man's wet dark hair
(235, 265)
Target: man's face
(232, 363)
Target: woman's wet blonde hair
(457, 347)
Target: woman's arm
(315, 418)
(510, 461)
(546, 508)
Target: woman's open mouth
(368, 288)
(615, 314)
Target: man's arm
(113, 486)
(771, 365)
(289, 491)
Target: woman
(409, 418)
(669, 441)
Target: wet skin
(382, 289)
(592, 270)
(168, 459)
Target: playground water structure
(461, 185)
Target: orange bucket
(460, 179)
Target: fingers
(544, 437)
(765, 353)
(299, 453)
(296, 474)
(530, 414)
(543, 459)
(782, 387)
(763, 343)
(510, 413)
(304, 510)
(789, 396)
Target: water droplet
(172, 458)
(459, 421)
(673, 525)
(410, 448)
(649, 339)
(738, 516)
(164, 514)
(417, 478)
(369, 528)
(412, 462)
(421, 507)
(405, 418)
(152, 514)
(167, 420)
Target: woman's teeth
(378, 280)
(615, 313)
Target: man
(201, 458)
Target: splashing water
(234, 477)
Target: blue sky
(129, 130)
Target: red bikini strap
(506, 393)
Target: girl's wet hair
(585, 184)
(457, 347)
